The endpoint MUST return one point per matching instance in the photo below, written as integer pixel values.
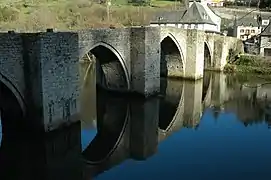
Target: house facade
(215, 3)
(265, 41)
(197, 16)
(248, 27)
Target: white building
(248, 27)
(215, 3)
(197, 16)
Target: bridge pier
(192, 103)
(194, 55)
(144, 58)
(52, 79)
(220, 53)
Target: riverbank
(250, 64)
(26, 15)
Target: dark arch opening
(171, 91)
(11, 122)
(207, 57)
(110, 73)
(171, 64)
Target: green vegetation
(249, 64)
(37, 15)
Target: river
(218, 127)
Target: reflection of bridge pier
(51, 156)
(63, 152)
(218, 90)
(192, 103)
(143, 132)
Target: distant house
(265, 41)
(215, 3)
(197, 16)
(247, 28)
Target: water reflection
(217, 127)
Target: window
(242, 31)
(247, 31)
(242, 36)
(252, 31)
(265, 22)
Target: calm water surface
(218, 127)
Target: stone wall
(11, 65)
(145, 64)
(47, 64)
(43, 69)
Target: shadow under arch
(112, 119)
(171, 59)
(170, 107)
(111, 69)
(5, 82)
(12, 110)
(207, 57)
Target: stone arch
(172, 57)
(14, 91)
(110, 59)
(12, 107)
(207, 56)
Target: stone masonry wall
(12, 63)
(145, 60)
(60, 78)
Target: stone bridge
(39, 71)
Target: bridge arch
(12, 108)
(15, 92)
(207, 56)
(172, 57)
(111, 64)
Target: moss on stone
(249, 64)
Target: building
(265, 41)
(197, 16)
(215, 3)
(248, 27)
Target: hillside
(33, 15)
(37, 15)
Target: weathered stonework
(41, 70)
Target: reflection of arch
(169, 44)
(108, 136)
(175, 124)
(119, 57)
(206, 90)
(207, 56)
(174, 99)
(14, 91)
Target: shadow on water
(112, 118)
(131, 130)
(171, 91)
(46, 157)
